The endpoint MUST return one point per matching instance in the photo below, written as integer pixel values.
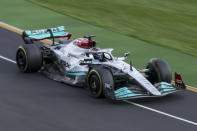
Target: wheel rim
(94, 84)
(21, 59)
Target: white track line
(5, 58)
(160, 112)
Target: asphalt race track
(32, 102)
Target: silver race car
(79, 62)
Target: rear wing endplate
(29, 36)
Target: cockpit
(101, 56)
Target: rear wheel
(159, 71)
(29, 58)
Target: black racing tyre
(159, 71)
(98, 79)
(29, 58)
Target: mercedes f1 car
(79, 62)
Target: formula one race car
(80, 63)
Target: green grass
(26, 15)
(169, 23)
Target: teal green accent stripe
(122, 89)
(128, 95)
(76, 73)
(167, 90)
(166, 87)
(124, 92)
(43, 33)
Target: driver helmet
(98, 56)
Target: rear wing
(29, 36)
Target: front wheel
(98, 79)
(159, 71)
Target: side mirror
(127, 54)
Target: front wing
(128, 92)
